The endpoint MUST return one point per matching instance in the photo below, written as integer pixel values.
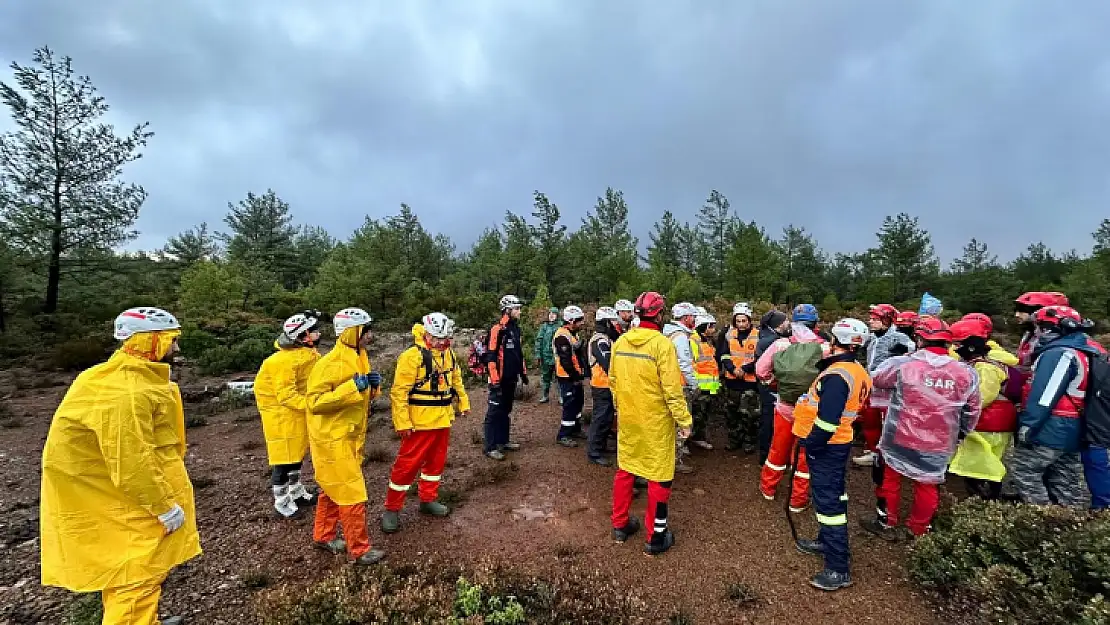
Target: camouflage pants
(702, 407)
(741, 417)
(1045, 476)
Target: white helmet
(438, 325)
(299, 324)
(573, 313)
(510, 301)
(138, 320)
(683, 309)
(624, 305)
(606, 313)
(703, 319)
(742, 308)
(850, 332)
(349, 318)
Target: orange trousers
(423, 452)
(330, 515)
(783, 446)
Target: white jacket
(680, 336)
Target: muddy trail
(540, 512)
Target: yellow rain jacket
(280, 390)
(647, 391)
(979, 456)
(422, 399)
(337, 414)
(114, 460)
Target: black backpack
(1096, 402)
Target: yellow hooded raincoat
(337, 414)
(979, 456)
(647, 390)
(280, 389)
(114, 460)
(410, 377)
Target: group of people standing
(928, 398)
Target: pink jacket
(765, 366)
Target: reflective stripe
(634, 355)
(1054, 382)
(430, 478)
(836, 519)
(568, 424)
(844, 497)
(397, 488)
(851, 413)
(774, 467)
(825, 425)
(804, 476)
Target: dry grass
(375, 454)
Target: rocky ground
(542, 512)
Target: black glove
(524, 379)
(748, 368)
(900, 350)
(729, 366)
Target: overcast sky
(988, 118)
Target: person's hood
(152, 346)
(999, 354)
(639, 336)
(801, 333)
(672, 327)
(349, 337)
(1075, 340)
(418, 332)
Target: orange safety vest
(599, 377)
(705, 363)
(741, 353)
(575, 344)
(859, 385)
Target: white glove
(173, 520)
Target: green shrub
(246, 355)
(1019, 563)
(195, 341)
(79, 354)
(85, 610)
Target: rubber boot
(660, 543)
(370, 558)
(335, 546)
(391, 522)
(622, 534)
(284, 504)
(434, 508)
(301, 496)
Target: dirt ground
(554, 507)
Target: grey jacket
(680, 336)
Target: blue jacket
(1056, 368)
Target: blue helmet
(805, 312)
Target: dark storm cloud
(987, 118)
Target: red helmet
(1058, 315)
(933, 329)
(650, 304)
(884, 312)
(980, 318)
(966, 328)
(906, 319)
(1040, 299)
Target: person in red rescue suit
(570, 361)
(736, 358)
(427, 387)
(607, 328)
(935, 404)
(823, 422)
(784, 442)
(340, 389)
(886, 342)
(647, 390)
(1047, 465)
(1025, 306)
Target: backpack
(429, 369)
(1096, 402)
(796, 369)
(476, 356)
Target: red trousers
(871, 426)
(926, 498)
(423, 452)
(330, 515)
(659, 493)
(783, 446)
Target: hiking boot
(867, 459)
(495, 455)
(831, 580)
(335, 546)
(767, 496)
(370, 558)
(391, 521)
(749, 448)
(882, 530)
(567, 441)
(706, 445)
(544, 399)
(510, 447)
(434, 508)
(600, 461)
(795, 509)
(174, 620)
(659, 543)
(621, 534)
(809, 547)
(683, 468)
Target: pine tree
(262, 240)
(608, 255)
(905, 255)
(751, 266)
(192, 246)
(977, 283)
(550, 242)
(717, 227)
(802, 266)
(60, 187)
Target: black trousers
(766, 421)
(284, 474)
(499, 415)
(601, 422)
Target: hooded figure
(545, 354)
(340, 388)
(117, 504)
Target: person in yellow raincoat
(427, 385)
(340, 388)
(117, 510)
(647, 390)
(280, 390)
(995, 351)
(979, 458)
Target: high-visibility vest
(741, 353)
(859, 385)
(705, 364)
(575, 345)
(599, 377)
